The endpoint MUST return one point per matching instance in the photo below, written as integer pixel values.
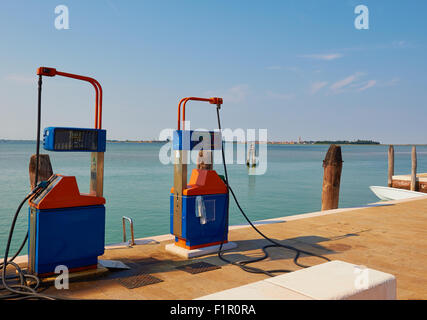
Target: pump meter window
(74, 139)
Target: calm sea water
(138, 185)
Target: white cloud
(369, 84)
(400, 44)
(391, 83)
(280, 96)
(235, 94)
(337, 86)
(325, 57)
(317, 86)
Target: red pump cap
(48, 72)
(215, 100)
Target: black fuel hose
(243, 264)
(23, 290)
(36, 178)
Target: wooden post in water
(45, 169)
(414, 169)
(331, 178)
(205, 160)
(390, 165)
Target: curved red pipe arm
(179, 113)
(98, 91)
(215, 100)
(50, 72)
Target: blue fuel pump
(199, 209)
(67, 227)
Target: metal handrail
(132, 241)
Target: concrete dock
(390, 237)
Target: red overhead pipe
(51, 72)
(215, 100)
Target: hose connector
(40, 185)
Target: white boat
(387, 193)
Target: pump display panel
(189, 140)
(74, 139)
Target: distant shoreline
(280, 143)
(137, 141)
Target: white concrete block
(186, 253)
(337, 280)
(260, 290)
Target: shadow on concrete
(244, 251)
(163, 262)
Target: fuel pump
(67, 227)
(199, 208)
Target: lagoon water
(137, 185)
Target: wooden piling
(390, 165)
(205, 160)
(414, 169)
(45, 169)
(331, 178)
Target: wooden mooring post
(414, 169)
(332, 167)
(205, 160)
(390, 165)
(45, 169)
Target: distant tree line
(345, 142)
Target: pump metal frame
(97, 158)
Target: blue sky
(296, 68)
